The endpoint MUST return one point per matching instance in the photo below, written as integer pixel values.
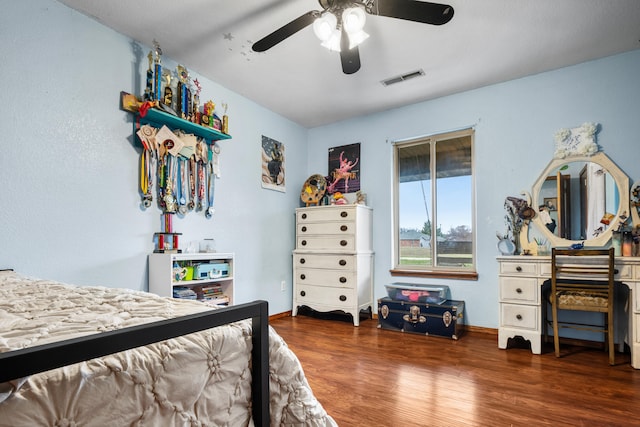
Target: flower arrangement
(513, 221)
(518, 212)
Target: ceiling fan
(340, 25)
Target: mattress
(201, 379)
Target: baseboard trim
(280, 315)
(468, 328)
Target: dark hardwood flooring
(365, 376)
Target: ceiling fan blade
(410, 10)
(285, 31)
(350, 58)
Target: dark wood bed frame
(28, 361)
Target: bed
(97, 356)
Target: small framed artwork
(551, 203)
(344, 169)
(273, 176)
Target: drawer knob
(519, 316)
(519, 269)
(343, 280)
(342, 262)
(343, 228)
(303, 243)
(302, 293)
(304, 229)
(343, 243)
(302, 261)
(519, 290)
(343, 214)
(302, 277)
(304, 216)
(343, 298)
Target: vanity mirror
(580, 198)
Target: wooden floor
(365, 376)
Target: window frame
(464, 273)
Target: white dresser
(333, 259)
(521, 301)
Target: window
(434, 232)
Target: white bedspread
(202, 379)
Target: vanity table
(581, 197)
(522, 304)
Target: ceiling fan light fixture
(325, 26)
(333, 42)
(356, 38)
(353, 19)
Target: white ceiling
(486, 42)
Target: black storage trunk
(443, 320)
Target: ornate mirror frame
(622, 183)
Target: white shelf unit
(162, 279)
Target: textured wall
(70, 208)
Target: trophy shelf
(157, 118)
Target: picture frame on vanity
(551, 203)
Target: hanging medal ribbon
(212, 184)
(151, 162)
(201, 184)
(182, 208)
(145, 179)
(144, 183)
(192, 182)
(216, 159)
(185, 181)
(169, 199)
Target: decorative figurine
(209, 107)
(195, 115)
(225, 119)
(157, 76)
(149, 89)
(183, 92)
(167, 99)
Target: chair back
(583, 279)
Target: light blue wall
(69, 206)
(515, 123)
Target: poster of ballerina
(344, 169)
(273, 164)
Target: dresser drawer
(520, 316)
(311, 228)
(624, 271)
(326, 214)
(519, 289)
(315, 242)
(334, 297)
(325, 278)
(636, 272)
(517, 268)
(545, 269)
(334, 262)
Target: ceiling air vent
(402, 78)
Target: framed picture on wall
(344, 169)
(551, 203)
(273, 171)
